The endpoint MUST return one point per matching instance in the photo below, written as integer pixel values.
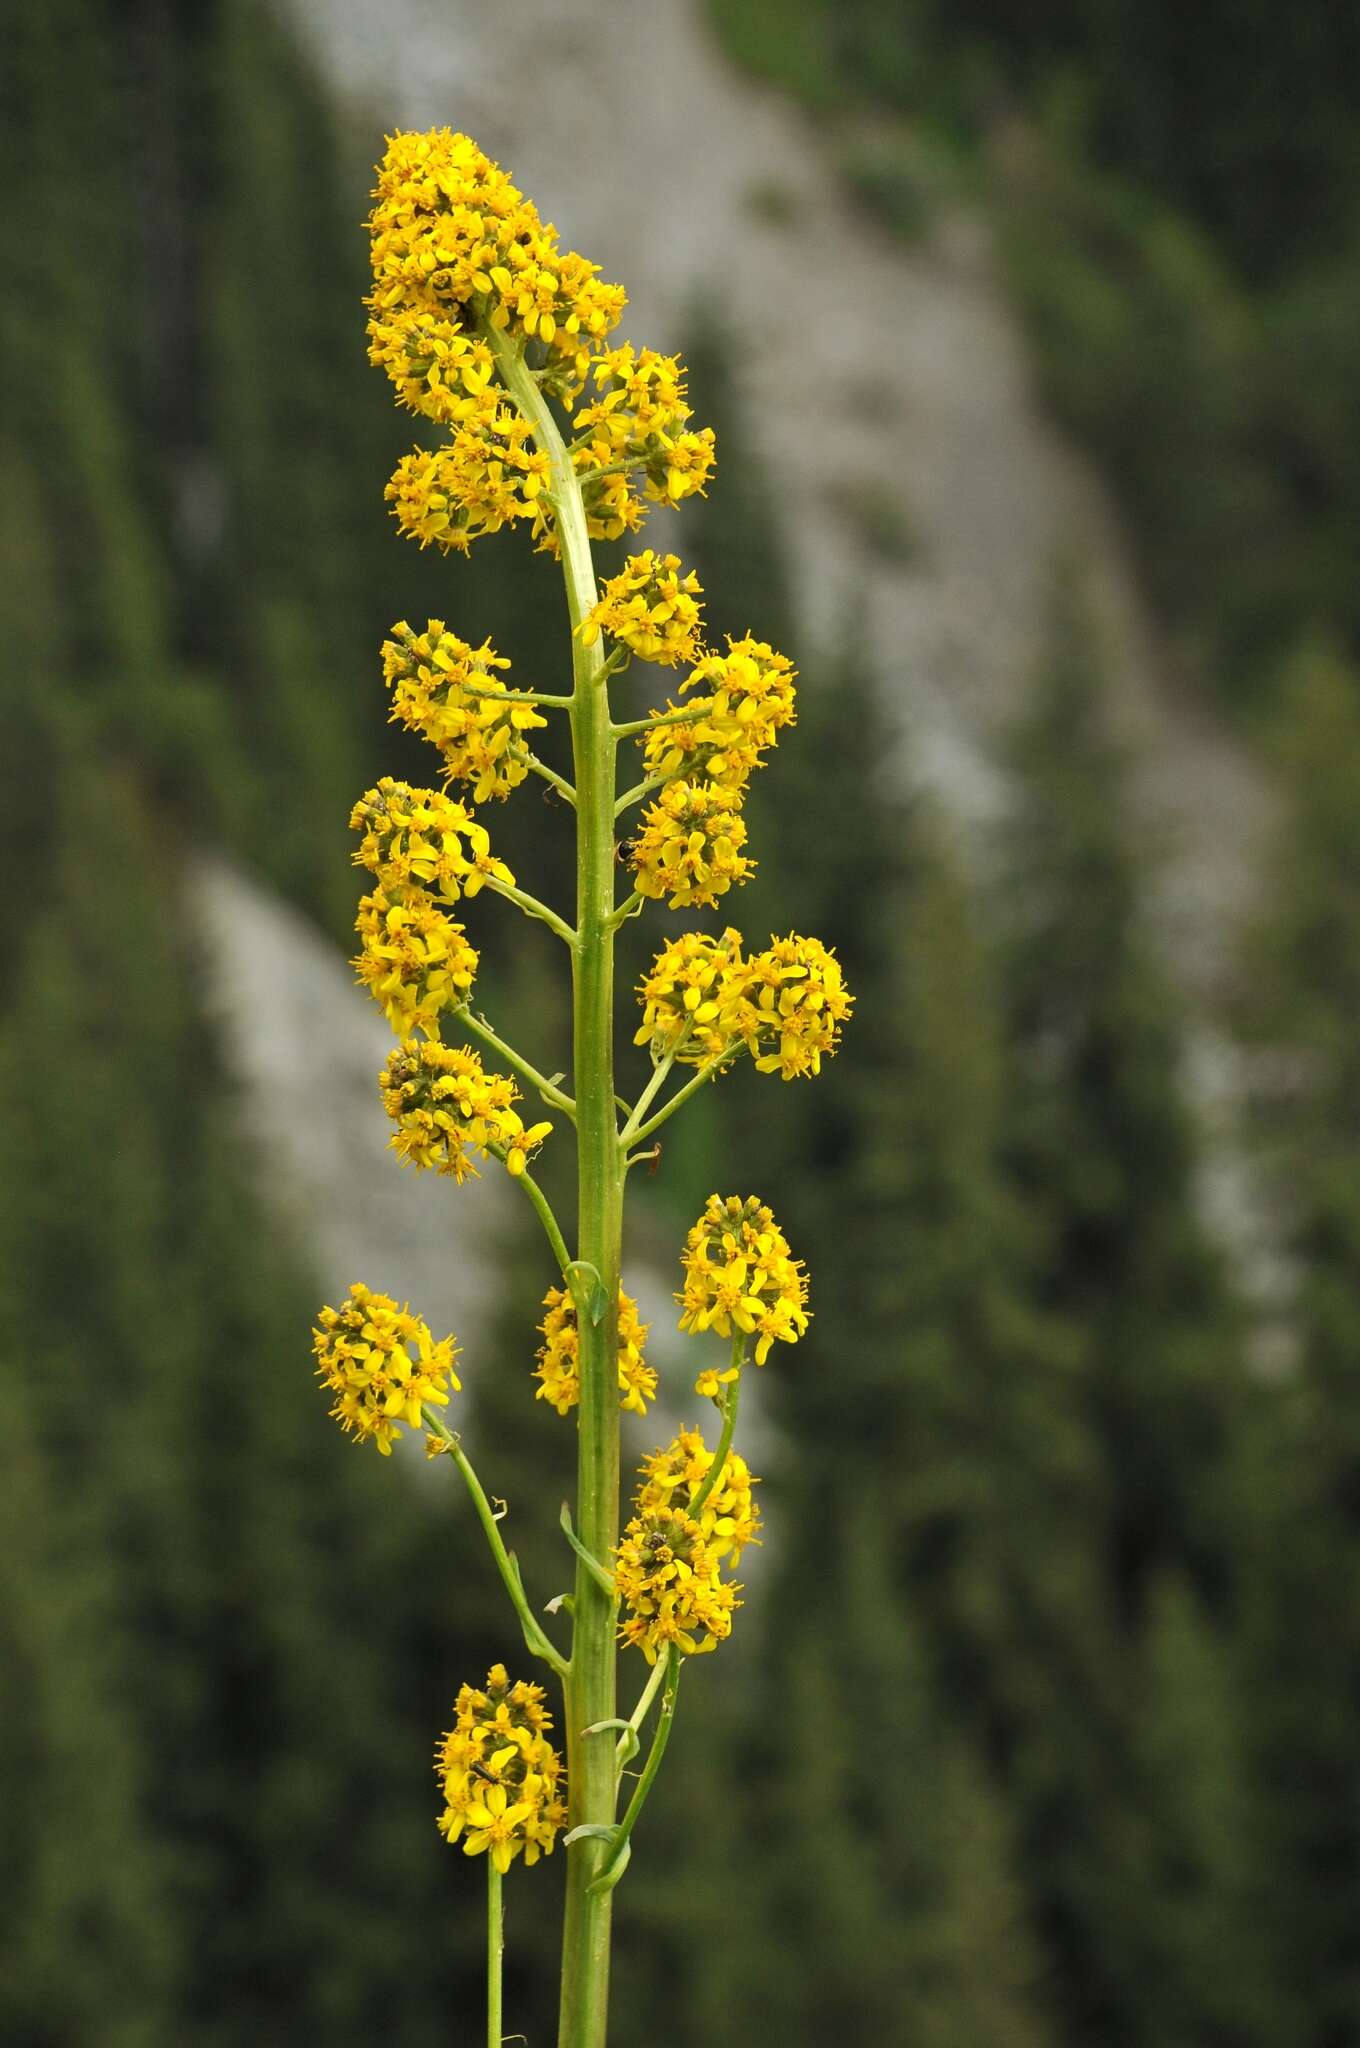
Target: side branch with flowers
(502, 339)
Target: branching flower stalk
(497, 336)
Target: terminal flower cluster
(558, 1370)
(501, 1777)
(740, 1277)
(382, 1364)
(448, 692)
(445, 1106)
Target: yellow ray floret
(382, 1365)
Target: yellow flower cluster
(704, 1001)
(670, 1585)
(747, 699)
(740, 1275)
(689, 847)
(637, 424)
(438, 370)
(488, 476)
(501, 1777)
(651, 608)
(447, 691)
(418, 839)
(559, 1367)
(445, 1105)
(688, 1004)
(382, 1365)
(415, 961)
(452, 236)
(729, 1518)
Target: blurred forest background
(1042, 1724)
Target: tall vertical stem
(495, 1948)
(590, 1683)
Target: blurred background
(1031, 336)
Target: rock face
(306, 1046)
(886, 385)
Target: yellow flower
(438, 370)
(690, 998)
(452, 235)
(446, 1105)
(740, 1276)
(729, 1519)
(446, 690)
(364, 1353)
(651, 608)
(501, 1778)
(415, 961)
(689, 847)
(747, 699)
(418, 839)
(637, 424)
(558, 1368)
(488, 476)
(792, 1006)
(670, 1585)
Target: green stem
(705, 1073)
(549, 1090)
(531, 907)
(730, 1400)
(590, 1686)
(495, 1948)
(637, 792)
(534, 1638)
(658, 720)
(550, 1224)
(611, 1874)
(642, 1709)
(551, 776)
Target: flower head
(382, 1365)
(744, 700)
(415, 962)
(670, 1584)
(638, 423)
(729, 1518)
(558, 1370)
(446, 1106)
(690, 998)
(446, 690)
(689, 847)
(418, 839)
(501, 1777)
(651, 608)
(740, 1276)
(488, 476)
(793, 1004)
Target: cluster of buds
(558, 1370)
(382, 1364)
(501, 1777)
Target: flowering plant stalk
(502, 339)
